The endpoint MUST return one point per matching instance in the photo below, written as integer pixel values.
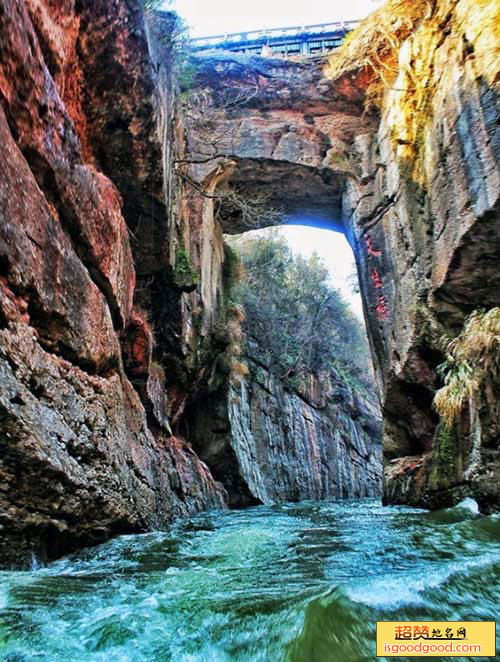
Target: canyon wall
(423, 214)
(261, 127)
(269, 443)
(320, 441)
(86, 450)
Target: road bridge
(283, 42)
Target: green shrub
(185, 275)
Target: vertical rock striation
(424, 218)
(269, 443)
(322, 441)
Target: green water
(300, 582)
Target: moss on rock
(446, 458)
(185, 275)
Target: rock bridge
(282, 127)
(424, 246)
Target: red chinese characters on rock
(377, 280)
(370, 248)
(381, 307)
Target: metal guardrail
(292, 31)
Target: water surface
(299, 583)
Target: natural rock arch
(307, 144)
(282, 130)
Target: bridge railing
(292, 31)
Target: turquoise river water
(299, 582)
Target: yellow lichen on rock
(409, 100)
(480, 22)
(376, 40)
(375, 44)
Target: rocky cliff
(86, 450)
(396, 143)
(319, 441)
(423, 215)
(114, 278)
(270, 443)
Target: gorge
(117, 414)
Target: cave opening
(316, 248)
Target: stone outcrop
(114, 282)
(424, 218)
(283, 127)
(283, 133)
(322, 441)
(270, 443)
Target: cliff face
(424, 216)
(113, 297)
(269, 443)
(322, 441)
(84, 452)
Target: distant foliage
(174, 35)
(300, 321)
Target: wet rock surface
(322, 441)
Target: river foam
(298, 582)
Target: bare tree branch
(211, 137)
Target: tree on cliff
(301, 322)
